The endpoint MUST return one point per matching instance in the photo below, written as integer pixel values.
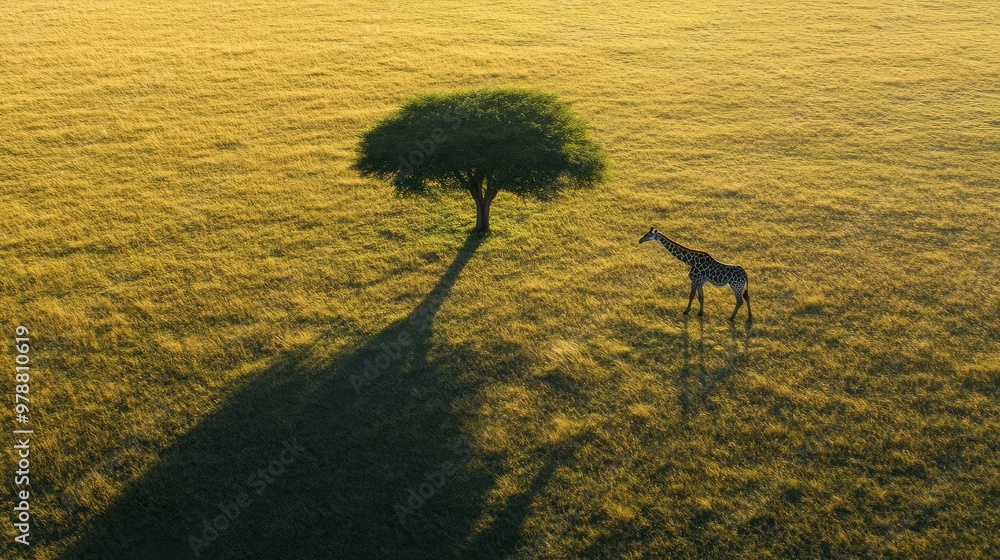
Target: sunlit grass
(203, 274)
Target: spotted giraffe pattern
(706, 269)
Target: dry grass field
(229, 327)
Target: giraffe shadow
(704, 372)
(358, 453)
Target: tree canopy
(483, 141)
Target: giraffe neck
(684, 254)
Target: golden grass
(202, 276)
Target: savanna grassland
(205, 280)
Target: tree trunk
(482, 215)
(483, 202)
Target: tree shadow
(698, 381)
(505, 535)
(360, 456)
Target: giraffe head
(651, 235)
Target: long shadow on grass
(361, 456)
(698, 382)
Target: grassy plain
(203, 276)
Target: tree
(482, 141)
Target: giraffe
(706, 269)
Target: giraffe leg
(691, 298)
(739, 303)
(746, 296)
(701, 300)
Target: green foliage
(203, 276)
(518, 140)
